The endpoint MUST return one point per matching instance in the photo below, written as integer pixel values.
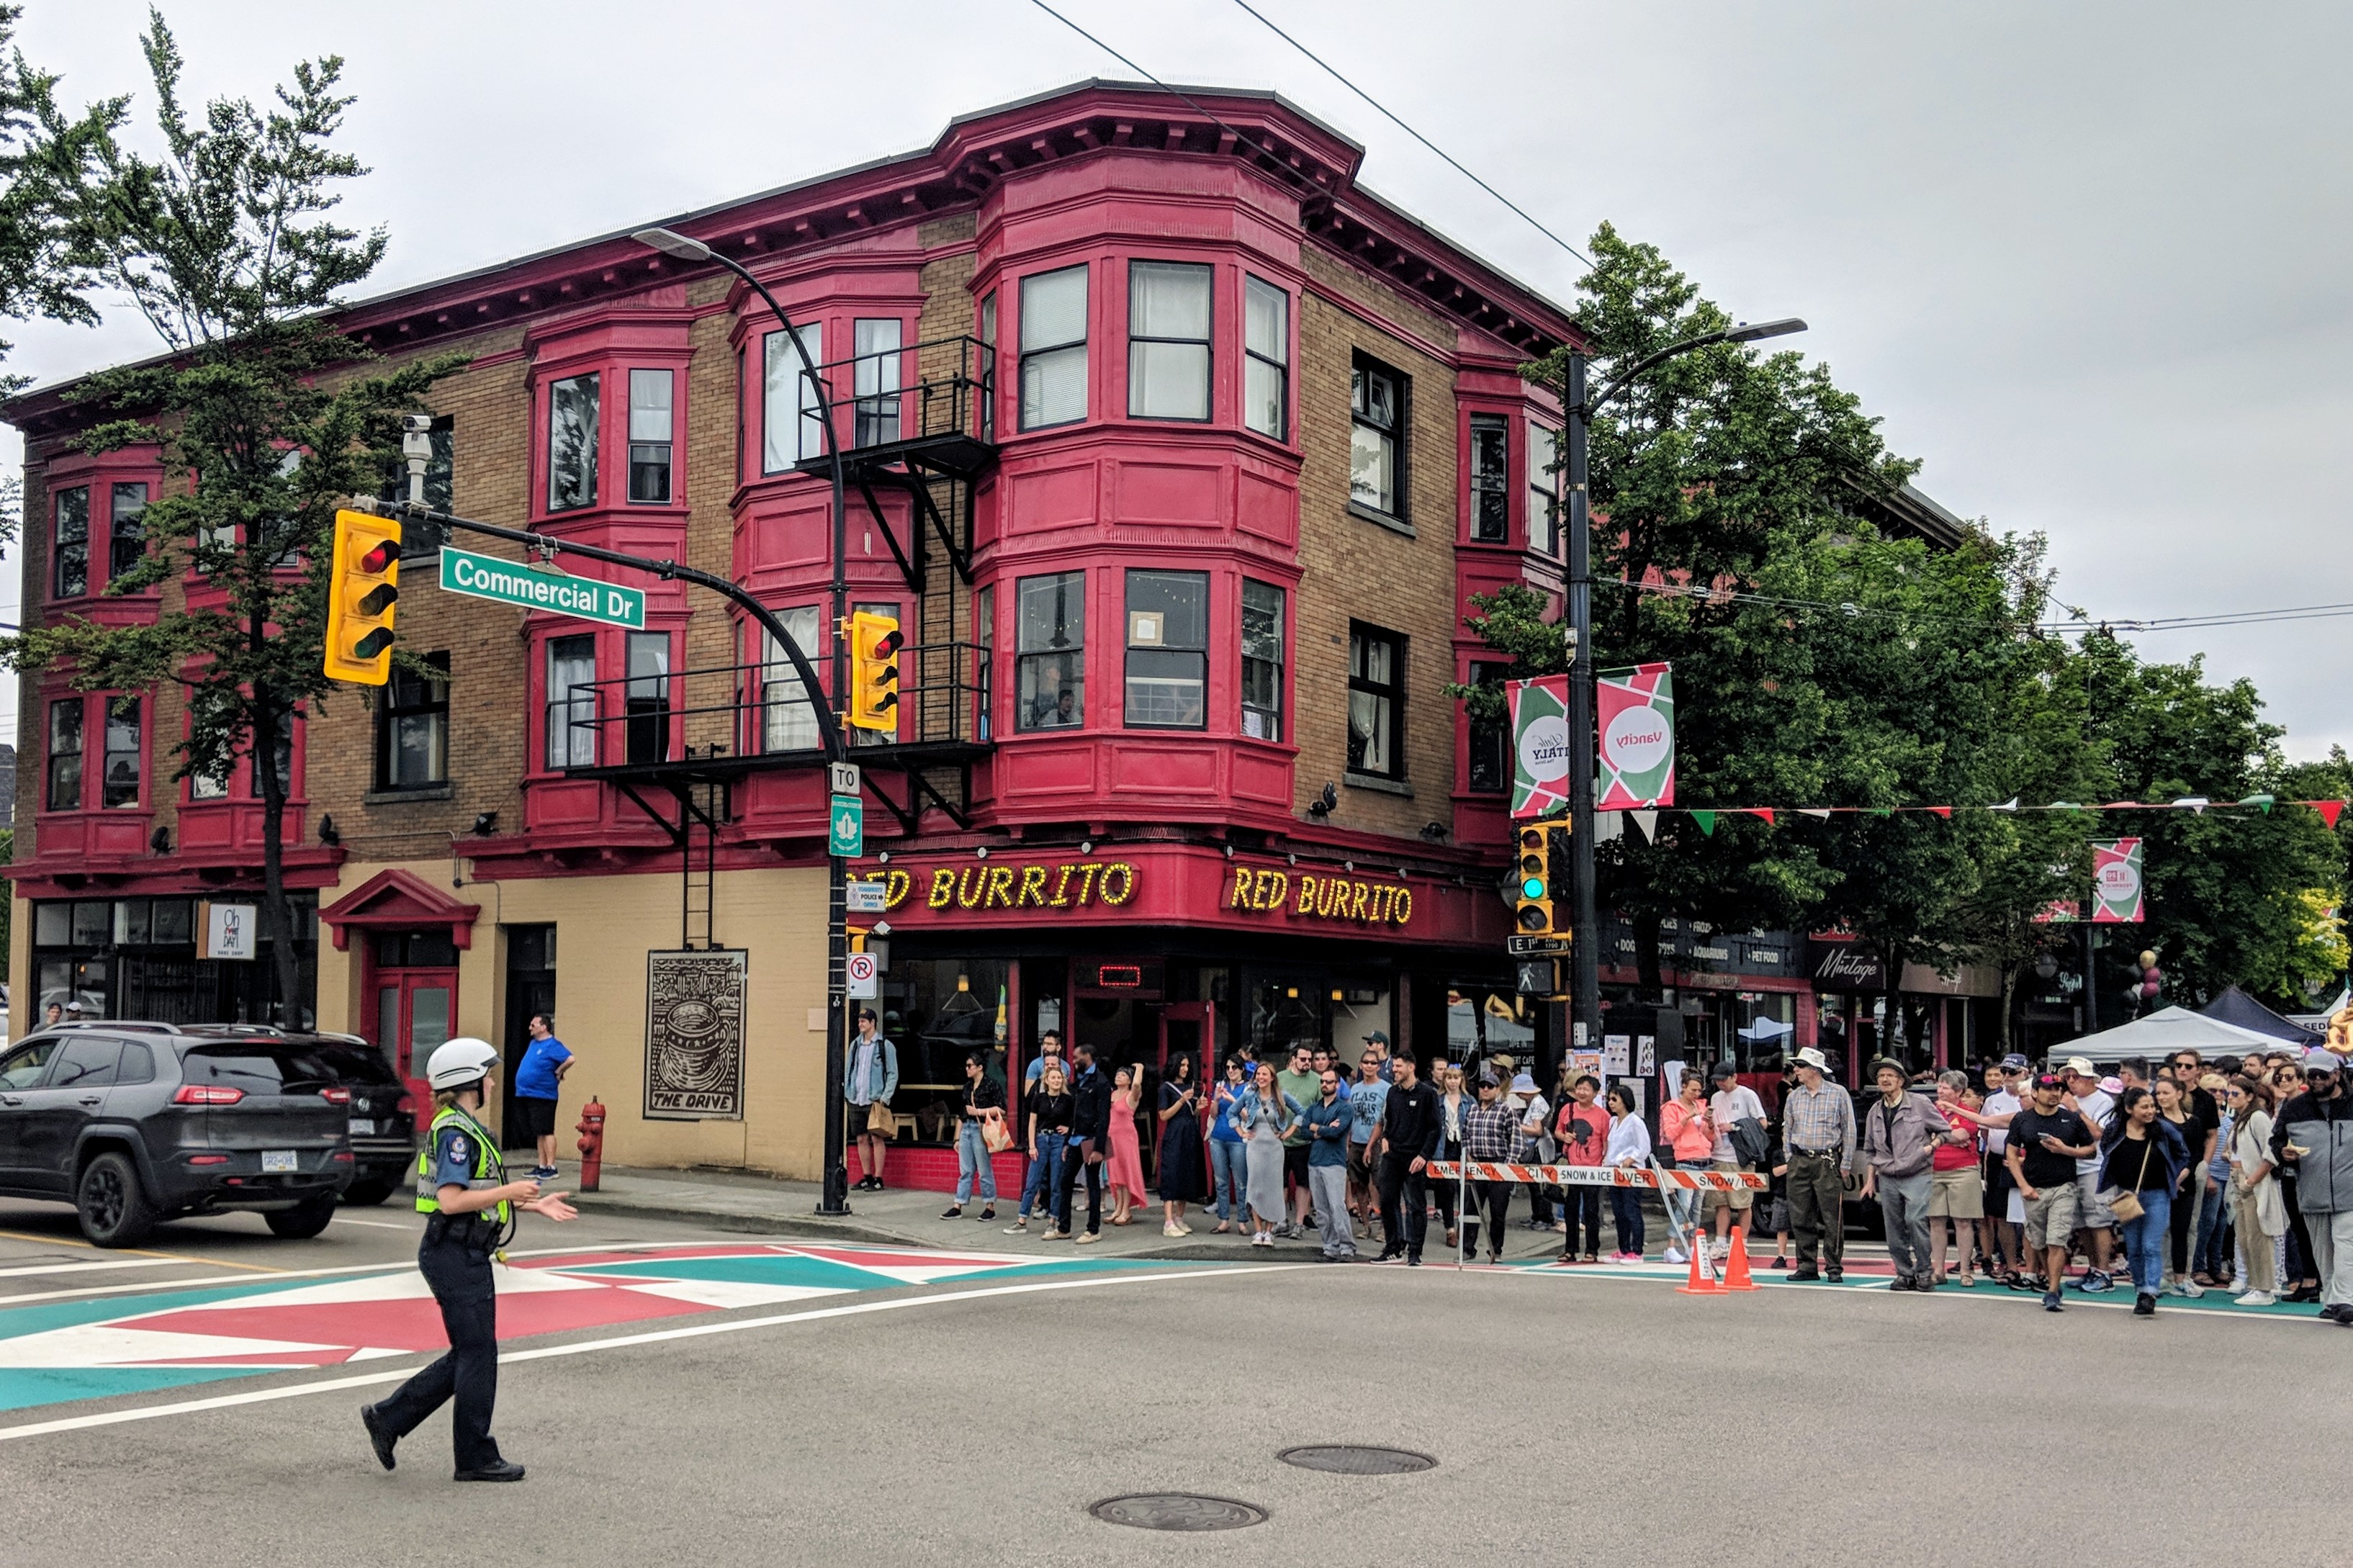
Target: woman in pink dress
(1125, 1173)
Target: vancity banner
(1636, 766)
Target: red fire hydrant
(592, 1145)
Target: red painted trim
(397, 900)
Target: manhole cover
(1348, 1459)
(1177, 1511)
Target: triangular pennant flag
(2197, 802)
(1648, 821)
(2010, 805)
(1822, 815)
(2063, 805)
(2119, 805)
(2263, 801)
(1882, 811)
(1764, 811)
(1945, 810)
(2328, 810)
(1707, 820)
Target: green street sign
(512, 582)
(847, 838)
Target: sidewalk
(726, 1200)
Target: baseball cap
(1486, 1081)
(2320, 1058)
(2013, 1063)
(1721, 1071)
(2081, 1066)
(1377, 1037)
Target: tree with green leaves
(228, 246)
(49, 163)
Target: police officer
(461, 1188)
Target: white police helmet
(455, 1064)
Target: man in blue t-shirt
(537, 1077)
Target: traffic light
(360, 598)
(874, 644)
(1532, 894)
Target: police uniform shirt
(454, 1150)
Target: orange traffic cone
(1736, 1265)
(1703, 1278)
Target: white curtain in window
(784, 440)
(787, 718)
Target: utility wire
(2078, 623)
(1453, 162)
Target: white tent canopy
(2167, 1030)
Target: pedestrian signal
(874, 644)
(362, 594)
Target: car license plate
(275, 1160)
(362, 1126)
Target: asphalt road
(1580, 1417)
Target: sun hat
(1808, 1057)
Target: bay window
(1167, 650)
(572, 443)
(570, 701)
(874, 380)
(69, 544)
(1261, 660)
(1167, 341)
(119, 784)
(64, 793)
(126, 536)
(787, 390)
(652, 430)
(1491, 481)
(788, 713)
(1266, 358)
(1050, 652)
(1544, 490)
(1054, 348)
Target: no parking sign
(860, 969)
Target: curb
(813, 1226)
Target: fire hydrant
(592, 1143)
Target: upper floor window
(65, 754)
(988, 366)
(572, 443)
(127, 536)
(283, 754)
(1266, 358)
(651, 430)
(1054, 347)
(69, 548)
(1167, 340)
(1376, 702)
(788, 713)
(1490, 761)
(412, 730)
(1261, 660)
(1376, 396)
(1491, 478)
(1050, 652)
(1544, 490)
(646, 699)
(119, 785)
(570, 701)
(788, 388)
(874, 380)
(983, 637)
(1167, 650)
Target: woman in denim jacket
(1262, 1115)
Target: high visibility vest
(490, 1171)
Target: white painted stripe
(699, 1330)
(90, 1267)
(378, 1223)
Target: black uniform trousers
(460, 1277)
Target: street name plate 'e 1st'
(511, 582)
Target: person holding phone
(1180, 1144)
(1229, 1163)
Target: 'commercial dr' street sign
(511, 582)
(846, 839)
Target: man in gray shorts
(2093, 1217)
(2045, 1140)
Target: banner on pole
(1539, 745)
(2116, 882)
(1637, 712)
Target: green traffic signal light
(1533, 888)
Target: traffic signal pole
(1584, 940)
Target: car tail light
(207, 1094)
(207, 1159)
(340, 1157)
(334, 1096)
(408, 1106)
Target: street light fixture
(834, 1191)
(1585, 951)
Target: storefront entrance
(414, 978)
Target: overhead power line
(1393, 118)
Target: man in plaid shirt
(1490, 1132)
(1817, 1148)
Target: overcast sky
(2089, 262)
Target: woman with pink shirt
(1688, 1133)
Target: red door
(415, 1010)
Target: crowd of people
(2169, 1179)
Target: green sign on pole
(847, 840)
(512, 582)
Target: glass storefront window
(934, 1010)
(1482, 1021)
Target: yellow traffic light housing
(1531, 892)
(361, 597)
(874, 644)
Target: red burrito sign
(1320, 898)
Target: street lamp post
(1584, 953)
(835, 1198)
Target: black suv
(384, 1119)
(135, 1122)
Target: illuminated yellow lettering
(1240, 897)
(896, 885)
(1358, 892)
(1121, 872)
(1273, 889)
(1404, 908)
(971, 882)
(1000, 893)
(942, 889)
(1033, 888)
(1061, 900)
(1306, 894)
(1088, 871)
